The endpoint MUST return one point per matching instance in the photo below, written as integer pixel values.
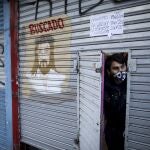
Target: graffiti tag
(81, 12)
(1, 60)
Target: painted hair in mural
(44, 55)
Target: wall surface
(3, 141)
(50, 121)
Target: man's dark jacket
(114, 111)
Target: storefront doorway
(91, 97)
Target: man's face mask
(120, 76)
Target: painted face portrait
(44, 55)
(43, 71)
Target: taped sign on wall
(107, 24)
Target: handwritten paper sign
(107, 24)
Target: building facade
(54, 105)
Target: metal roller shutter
(89, 99)
(136, 37)
(48, 118)
(3, 143)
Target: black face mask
(120, 76)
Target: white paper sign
(107, 24)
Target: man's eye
(115, 68)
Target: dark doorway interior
(114, 101)
(27, 147)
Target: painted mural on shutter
(44, 65)
(42, 123)
(3, 143)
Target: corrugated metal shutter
(3, 142)
(89, 99)
(48, 121)
(136, 37)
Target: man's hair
(118, 57)
(40, 40)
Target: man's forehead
(115, 63)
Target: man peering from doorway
(43, 76)
(115, 100)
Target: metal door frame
(14, 72)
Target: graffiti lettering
(91, 7)
(1, 60)
(37, 7)
(1, 52)
(1, 63)
(46, 26)
(66, 5)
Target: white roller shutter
(89, 99)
